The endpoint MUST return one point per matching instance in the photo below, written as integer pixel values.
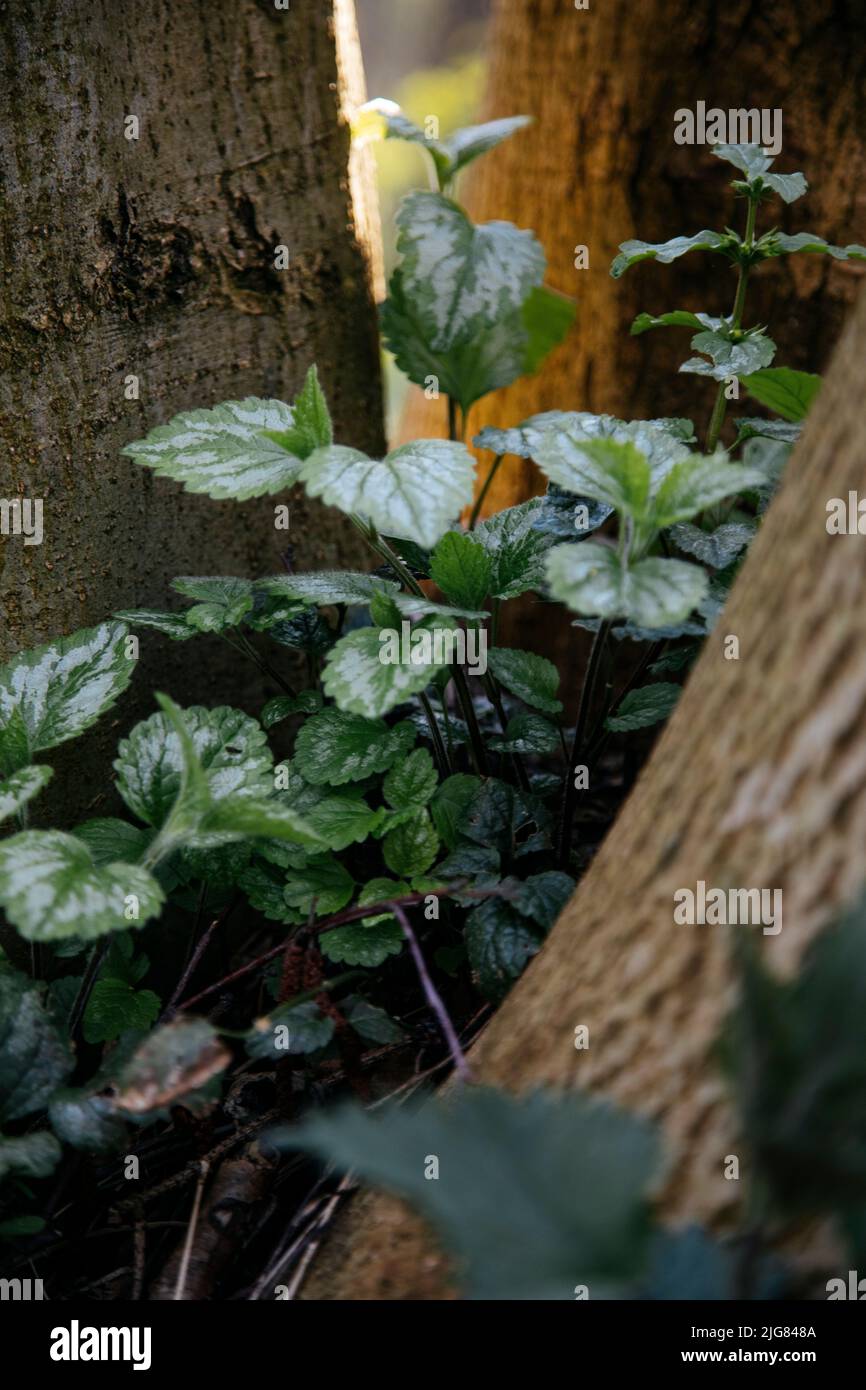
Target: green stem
(479, 757)
(586, 695)
(717, 419)
(479, 501)
(452, 420)
(496, 701)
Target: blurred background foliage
(428, 56)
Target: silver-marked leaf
(462, 278)
(21, 787)
(411, 782)
(365, 672)
(409, 849)
(697, 483)
(522, 440)
(173, 625)
(222, 601)
(328, 587)
(751, 159)
(630, 252)
(51, 888)
(729, 358)
(516, 540)
(223, 452)
(653, 593)
(231, 747)
(466, 144)
(714, 548)
(562, 457)
(416, 490)
(56, 691)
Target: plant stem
(479, 501)
(568, 800)
(496, 701)
(97, 956)
(452, 420)
(717, 419)
(433, 999)
(439, 748)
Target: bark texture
(759, 780)
(155, 258)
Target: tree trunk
(759, 779)
(599, 166)
(154, 258)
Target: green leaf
(698, 483)
(173, 625)
(714, 548)
(499, 941)
(411, 848)
(361, 682)
(328, 586)
(34, 1058)
(360, 944)
(241, 816)
(630, 252)
(462, 569)
(336, 747)
(230, 746)
(416, 490)
(54, 692)
(780, 244)
(730, 357)
(21, 787)
(521, 440)
(263, 885)
(786, 431)
(753, 161)
(85, 1119)
(788, 393)
(531, 678)
(323, 882)
(51, 888)
(225, 452)
(547, 318)
(343, 820)
(541, 896)
(114, 1006)
(308, 1031)
(283, 706)
(677, 318)
(449, 804)
(535, 1194)
(643, 707)
(223, 601)
(464, 145)
(515, 543)
(653, 593)
(527, 733)
(412, 782)
(311, 423)
(110, 840)
(170, 1065)
(30, 1156)
(373, 1023)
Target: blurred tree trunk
(759, 779)
(599, 166)
(153, 258)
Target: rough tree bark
(154, 257)
(759, 780)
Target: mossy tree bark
(758, 780)
(154, 258)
